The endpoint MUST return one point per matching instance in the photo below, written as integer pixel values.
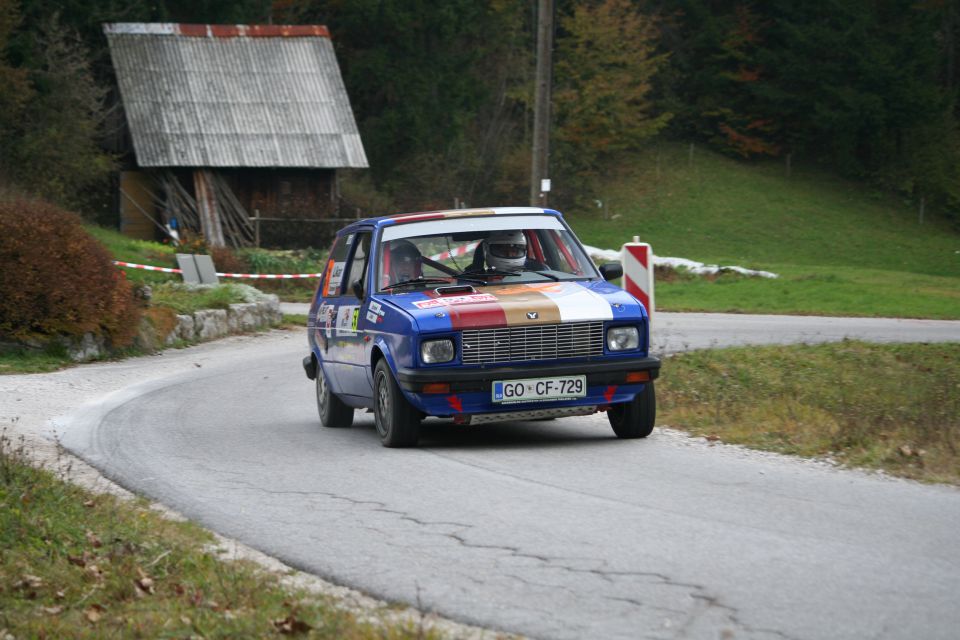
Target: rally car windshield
(542, 250)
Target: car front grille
(537, 342)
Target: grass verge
(889, 407)
(52, 357)
(826, 291)
(294, 320)
(78, 565)
(184, 298)
(26, 360)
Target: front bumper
(603, 372)
(470, 390)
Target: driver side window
(357, 272)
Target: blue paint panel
(426, 319)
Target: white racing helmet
(506, 250)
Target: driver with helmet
(505, 250)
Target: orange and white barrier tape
(457, 252)
(134, 265)
(268, 276)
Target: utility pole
(541, 110)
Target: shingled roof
(234, 96)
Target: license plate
(531, 389)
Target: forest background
(443, 91)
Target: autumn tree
(605, 64)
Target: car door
(351, 344)
(328, 301)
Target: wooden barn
(236, 131)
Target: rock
(244, 316)
(186, 329)
(210, 324)
(87, 347)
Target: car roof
(402, 218)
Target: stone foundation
(201, 326)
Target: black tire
(398, 422)
(333, 412)
(635, 419)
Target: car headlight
(622, 338)
(436, 351)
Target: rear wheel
(333, 412)
(635, 419)
(398, 422)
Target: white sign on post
(197, 269)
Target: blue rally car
(479, 315)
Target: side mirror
(611, 270)
(358, 289)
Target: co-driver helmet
(404, 261)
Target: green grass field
(840, 248)
(139, 252)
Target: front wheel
(333, 412)
(398, 422)
(635, 419)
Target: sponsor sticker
(375, 312)
(449, 301)
(325, 318)
(336, 276)
(347, 320)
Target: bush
(56, 279)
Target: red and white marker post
(637, 260)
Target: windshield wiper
(414, 281)
(483, 276)
(547, 275)
(469, 276)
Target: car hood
(517, 304)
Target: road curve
(550, 529)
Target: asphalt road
(550, 529)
